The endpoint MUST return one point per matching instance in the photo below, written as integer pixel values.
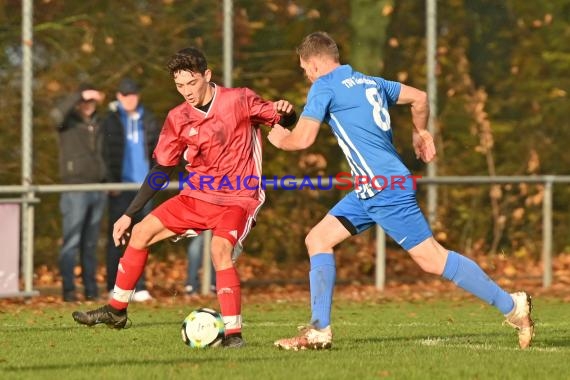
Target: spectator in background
(130, 133)
(195, 260)
(81, 161)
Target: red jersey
(222, 147)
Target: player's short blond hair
(318, 44)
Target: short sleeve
(391, 89)
(318, 102)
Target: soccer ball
(203, 328)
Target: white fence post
(547, 232)
(206, 264)
(380, 280)
(10, 243)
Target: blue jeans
(81, 212)
(118, 204)
(195, 255)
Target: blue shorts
(396, 211)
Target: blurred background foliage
(503, 81)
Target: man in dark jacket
(80, 162)
(130, 134)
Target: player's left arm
(286, 111)
(269, 113)
(301, 137)
(422, 140)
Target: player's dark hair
(318, 43)
(189, 59)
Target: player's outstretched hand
(424, 146)
(277, 134)
(120, 230)
(283, 107)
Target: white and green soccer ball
(203, 328)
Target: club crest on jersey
(193, 132)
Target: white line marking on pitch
(445, 342)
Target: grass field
(398, 340)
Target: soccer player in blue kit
(355, 106)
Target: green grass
(400, 340)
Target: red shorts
(182, 213)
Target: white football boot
(520, 318)
(309, 338)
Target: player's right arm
(307, 128)
(301, 137)
(154, 181)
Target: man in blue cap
(130, 133)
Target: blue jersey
(355, 106)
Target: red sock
(131, 267)
(229, 297)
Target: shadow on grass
(553, 343)
(73, 325)
(145, 362)
(555, 337)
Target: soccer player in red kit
(216, 131)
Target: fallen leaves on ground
(266, 281)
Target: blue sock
(322, 279)
(466, 274)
